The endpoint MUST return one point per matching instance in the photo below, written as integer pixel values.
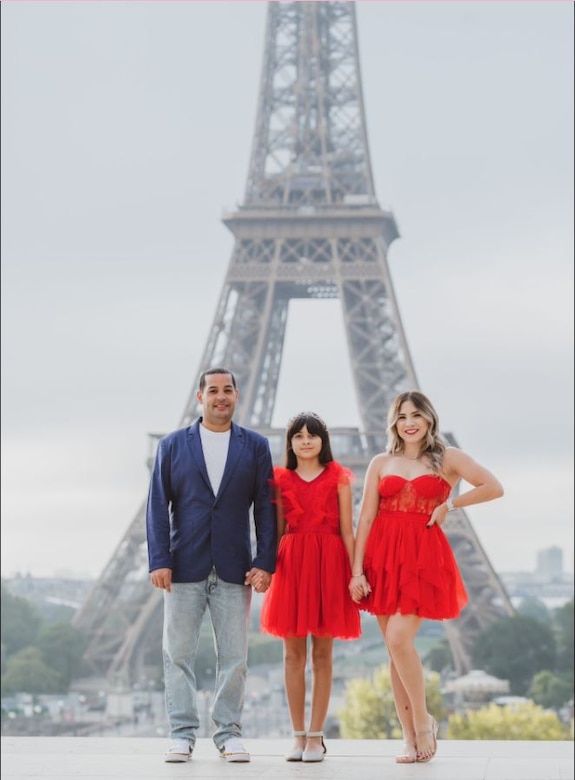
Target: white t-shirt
(215, 446)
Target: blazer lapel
(234, 452)
(197, 452)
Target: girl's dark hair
(316, 426)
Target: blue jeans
(184, 608)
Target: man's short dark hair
(215, 370)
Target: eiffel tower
(310, 227)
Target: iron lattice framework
(310, 227)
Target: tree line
(533, 650)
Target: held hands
(359, 588)
(259, 579)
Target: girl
(308, 593)
(404, 569)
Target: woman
(404, 570)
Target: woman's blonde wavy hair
(433, 447)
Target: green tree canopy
(62, 648)
(439, 657)
(525, 721)
(563, 625)
(27, 672)
(550, 690)
(20, 622)
(369, 711)
(515, 649)
(535, 608)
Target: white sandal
(315, 753)
(296, 753)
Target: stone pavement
(124, 758)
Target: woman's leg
(295, 654)
(400, 632)
(402, 703)
(321, 659)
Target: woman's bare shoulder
(378, 462)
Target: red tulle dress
(411, 568)
(309, 590)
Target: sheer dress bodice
(420, 495)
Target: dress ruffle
(309, 590)
(411, 568)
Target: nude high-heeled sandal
(295, 753)
(409, 755)
(314, 753)
(423, 759)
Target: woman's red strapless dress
(411, 568)
(309, 590)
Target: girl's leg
(400, 633)
(295, 654)
(321, 658)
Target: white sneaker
(179, 751)
(233, 751)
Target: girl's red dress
(309, 591)
(411, 568)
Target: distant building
(473, 690)
(549, 583)
(550, 564)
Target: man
(205, 480)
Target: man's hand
(259, 579)
(162, 578)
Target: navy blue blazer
(190, 529)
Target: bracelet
(357, 575)
(449, 504)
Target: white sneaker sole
(177, 758)
(236, 758)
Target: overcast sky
(126, 132)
